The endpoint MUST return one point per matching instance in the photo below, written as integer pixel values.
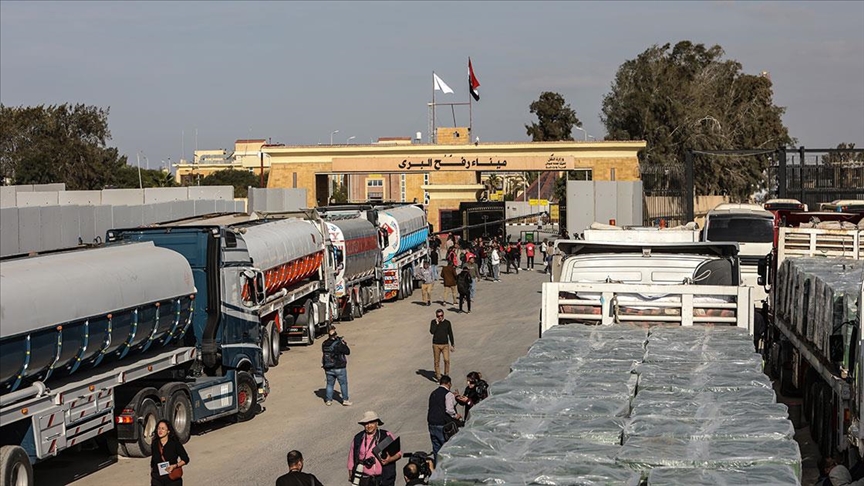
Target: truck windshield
(741, 229)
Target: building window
(581, 175)
(375, 189)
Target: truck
(273, 269)
(681, 283)
(688, 233)
(403, 233)
(102, 343)
(813, 337)
(358, 260)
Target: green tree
(689, 97)
(240, 179)
(555, 118)
(57, 143)
(127, 178)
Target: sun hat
(370, 416)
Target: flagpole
(433, 109)
(470, 107)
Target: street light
(348, 142)
(583, 131)
(334, 132)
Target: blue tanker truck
(104, 342)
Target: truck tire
(275, 345)
(348, 314)
(15, 466)
(179, 413)
(378, 296)
(358, 304)
(312, 322)
(148, 412)
(409, 281)
(265, 348)
(400, 292)
(247, 397)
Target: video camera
(423, 461)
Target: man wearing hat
(361, 459)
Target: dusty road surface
(388, 370)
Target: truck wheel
(275, 345)
(378, 296)
(15, 466)
(313, 324)
(179, 413)
(409, 281)
(265, 348)
(247, 397)
(400, 293)
(349, 306)
(148, 412)
(358, 304)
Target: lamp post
(485, 233)
(334, 132)
(585, 139)
(348, 142)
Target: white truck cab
(752, 227)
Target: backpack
(482, 389)
(331, 359)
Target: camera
(368, 462)
(422, 460)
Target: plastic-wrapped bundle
(573, 348)
(751, 367)
(588, 385)
(708, 409)
(602, 430)
(469, 443)
(722, 380)
(646, 453)
(767, 475)
(562, 367)
(542, 406)
(488, 470)
(729, 428)
(755, 395)
(735, 352)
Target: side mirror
(762, 270)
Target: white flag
(440, 85)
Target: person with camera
(296, 476)
(476, 390)
(364, 468)
(442, 417)
(335, 363)
(418, 469)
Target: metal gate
(665, 194)
(814, 176)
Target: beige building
(438, 175)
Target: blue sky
(294, 71)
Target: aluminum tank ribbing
(357, 239)
(406, 228)
(287, 250)
(65, 311)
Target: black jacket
(441, 332)
(172, 450)
(334, 352)
(297, 478)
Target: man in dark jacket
(334, 362)
(449, 275)
(442, 409)
(463, 284)
(442, 335)
(296, 476)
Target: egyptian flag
(473, 84)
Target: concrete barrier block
(51, 222)
(80, 198)
(29, 229)
(184, 209)
(205, 207)
(196, 193)
(8, 231)
(240, 206)
(24, 188)
(70, 226)
(222, 206)
(52, 187)
(36, 199)
(122, 217)
(103, 220)
(294, 199)
(122, 197)
(8, 197)
(154, 195)
(158, 213)
(87, 223)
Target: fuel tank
(288, 251)
(357, 254)
(79, 309)
(405, 228)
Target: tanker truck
(104, 342)
(405, 232)
(357, 259)
(275, 269)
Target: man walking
(449, 275)
(362, 462)
(471, 266)
(442, 342)
(427, 278)
(442, 409)
(296, 476)
(334, 362)
(495, 262)
(529, 256)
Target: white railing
(612, 296)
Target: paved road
(387, 372)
